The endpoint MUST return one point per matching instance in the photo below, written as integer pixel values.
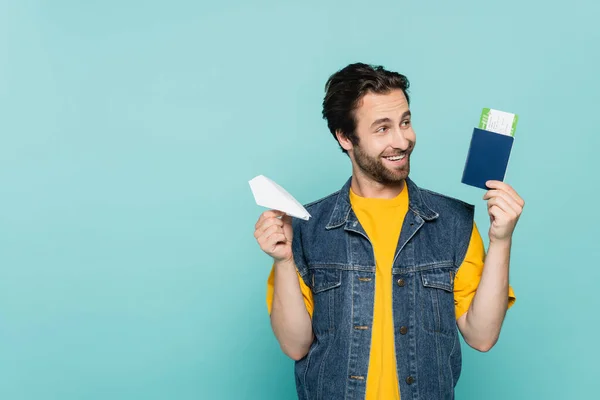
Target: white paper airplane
(269, 194)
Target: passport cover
(487, 158)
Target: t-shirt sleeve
(468, 276)
(306, 292)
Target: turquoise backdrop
(129, 131)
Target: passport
(487, 158)
(490, 147)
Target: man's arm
(290, 320)
(481, 324)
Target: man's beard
(374, 167)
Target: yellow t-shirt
(382, 221)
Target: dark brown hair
(345, 89)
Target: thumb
(277, 213)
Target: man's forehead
(393, 101)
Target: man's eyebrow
(384, 120)
(380, 121)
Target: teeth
(396, 158)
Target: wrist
(505, 243)
(285, 264)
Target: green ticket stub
(498, 121)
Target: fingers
(268, 214)
(504, 206)
(271, 237)
(274, 240)
(264, 236)
(496, 212)
(507, 198)
(499, 185)
(267, 224)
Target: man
(369, 295)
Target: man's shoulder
(440, 202)
(454, 215)
(323, 202)
(320, 211)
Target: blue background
(129, 131)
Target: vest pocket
(324, 283)
(324, 279)
(437, 300)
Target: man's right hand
(274, 234)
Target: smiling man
(369, 295)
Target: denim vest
(335, 259)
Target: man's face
(386, 137)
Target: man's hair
(345, 89)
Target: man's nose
(399, 141)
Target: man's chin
(399, 175)
(394, 179)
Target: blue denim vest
(335, 259)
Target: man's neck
(366, 187)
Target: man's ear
(343, 140)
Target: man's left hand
(504, 207)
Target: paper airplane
(269, 194)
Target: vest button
(403, 330)
(410, 380)
(400, 282)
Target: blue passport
(487, 159)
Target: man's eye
(382, 129)
(406, 123)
